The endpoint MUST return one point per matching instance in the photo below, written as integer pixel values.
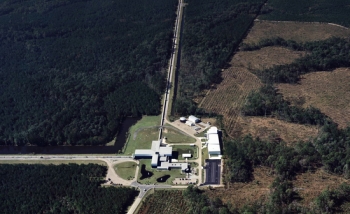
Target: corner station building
(160, 155)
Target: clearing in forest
(239, 194)
(327, 91)
(228, 97)
(309, 185)
(272, 129)
(297, 31)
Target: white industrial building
(186, 155)
(160, 155)
(193, 119)
(213, 143)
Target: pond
(145, 173)
(121, 139)
(163, 178)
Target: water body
(121, 139)
(145, 173)
(163, 178)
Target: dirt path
(111, 174)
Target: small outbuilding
(183, 119)
(186, 155)
(193, 119)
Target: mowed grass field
(297, 31)
(328, 91)
(126, 170)
(185, 149)
(174, 136)
(142, 133)
(174, 173)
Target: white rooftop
(212, 130)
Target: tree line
(62, 188)
(267, 101)
(212, 31)
(325, 55)
(329, 150)
(68, 67)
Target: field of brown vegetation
(164, 201)
(328, 91)
(297, 31)
(239, 194)
(309, 185)
(272, 129)
(238, 81)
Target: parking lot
(191, 129)
(212, 171)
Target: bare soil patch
(239, 194)
(228, 97)
(272, 129)
(328, 91)
(297, 31)
(309, 185)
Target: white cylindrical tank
(183, 119)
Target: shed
(193, 119)
(186, 155)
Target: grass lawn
(174, 173)
(178, 150)
(54, 162)
(174, 136)
(142, 134)
(201, 134)
(125, 170)
(205, 155)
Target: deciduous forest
(71, 71)
(45, 189)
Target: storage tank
(183, 119)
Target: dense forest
(323, 55)
(200, 203)
(212, 31)
(335, 11)
(67, 67)
(268, 102)
(64, 188)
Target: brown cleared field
(328, 91)
(297, 31)
(272, 129)
(239, 194)
(309, 185)
(164, 201)
(227, 97)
